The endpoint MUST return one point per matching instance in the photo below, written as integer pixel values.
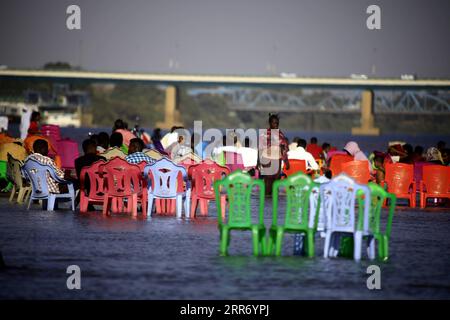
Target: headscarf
(353, 148)
(433, 154)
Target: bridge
(367, 99)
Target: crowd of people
(133, 146)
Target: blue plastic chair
(163, 184)
(36, 173)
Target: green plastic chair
(297, 220)
(4, 175)
(379, 196)
(238, 186)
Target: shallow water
(165, 258)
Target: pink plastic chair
(92, 190)
(68, 151)
(435, 183)
(124, 181)
(203, 177)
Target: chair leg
(194, 204)
(203, 207)
(224, 240)
(326, 248)
(279, 242)
(179, 203)
(371, 248)
(106, 205)
(150, 206)
(255, 240)
(21, 195)
(13, 192)
(133, 204)
(187, 205)
(29, 203)
(310, 244)
(358, 244)
(51, 202)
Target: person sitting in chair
(40, 154)
(135, 154)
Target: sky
(242, 37)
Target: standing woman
(273, 147)
(34, 123)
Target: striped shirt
(52, 184)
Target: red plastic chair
(124, 181)
(295, 166)
(92, 190)
(358, 170)
(68, 151)
(203, 177)
(336, 162)
(435, 183)
(400, 181)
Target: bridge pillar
(171, 110)
(367, 120)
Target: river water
(166, 258)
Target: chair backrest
(123, 178)
(14, 171)
(53, 133)
(357, 170)
(37, 174)
(204, 175)
(437, 179)
(298, 190)
(336, 162)
(187, 163)
(399, 177)
(378, 197)
(318, 210)
(68, 151)
(96, 183)
(163, 179)
(238, 186)
(154, 154)
(295, 166)
(233, 160)
(344, 192)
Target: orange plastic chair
(400, 181)
(295, 166)
(124, 181)
(336, 162)
(203, 177)
(435, 183)
(92, 190)
(358, 170)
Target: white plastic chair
(37, 174)
(164, 185)
(341, 217)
